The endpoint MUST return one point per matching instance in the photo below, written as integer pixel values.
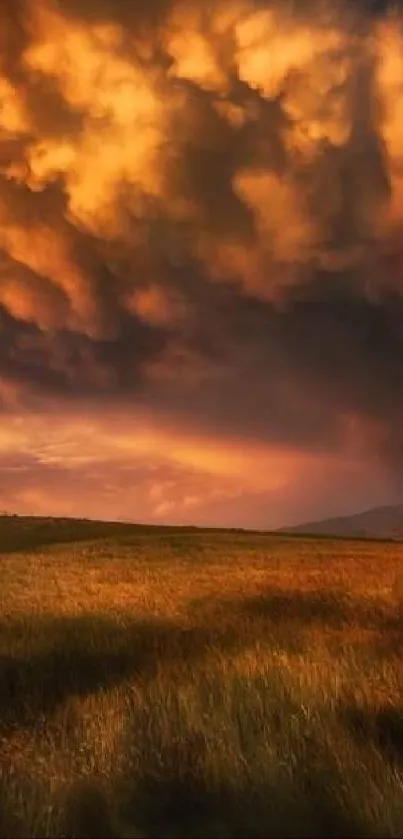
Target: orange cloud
(158, 474)
(156, 305)
(199, 206)
(387, 40)
(122, 110)
(128, 161)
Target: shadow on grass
(51, 659)
(279, 614)
(87, 813)
(25, 533)
(78, 656)
(174, 799)
(278, 617)
(9, 825)
(28, 533)
(188, 807)
(168, 792)
(330, 608)
(383, 727)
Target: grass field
(162, 682)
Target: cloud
(116, 467)
(200, 219)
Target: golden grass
(197, 683)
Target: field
(168, 682)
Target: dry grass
(192, 683)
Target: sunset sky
(201, 259)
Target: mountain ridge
(377, 522)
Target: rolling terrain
(377, 523)
(160, 682)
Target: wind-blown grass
(192, 683)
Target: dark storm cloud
(194, 223)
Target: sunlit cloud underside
(201, 284)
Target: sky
(201, 259)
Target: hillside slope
(377, 523)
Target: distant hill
(377, 523)
(21, 533)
